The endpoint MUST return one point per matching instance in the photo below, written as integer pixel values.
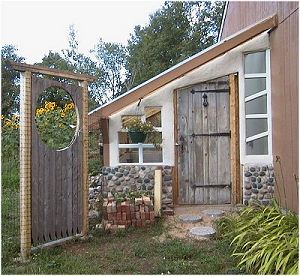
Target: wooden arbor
(27, 151)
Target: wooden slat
(190, 188)
(22, 67)
(176, 140)
(69, 205)
(58, 189)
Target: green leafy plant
(265, 239)
(131, 195)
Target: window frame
(262, 158)
(142, 146)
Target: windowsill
(258, 159)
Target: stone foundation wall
(125, 178)
(259, 183)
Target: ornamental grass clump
(264, 239)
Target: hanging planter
(137, 136)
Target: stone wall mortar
(125, 178)
(259, 181)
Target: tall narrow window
(257, 103)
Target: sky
(35, 27)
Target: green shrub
(264, 239)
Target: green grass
(134, 251)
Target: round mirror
(56, 118)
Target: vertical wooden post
(85, 184)
(157, 192)
(234, 142)
(25, 164)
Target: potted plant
(138, 130)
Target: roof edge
(223, 20)
(185, 66)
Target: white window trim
(256, 159)
(140, 147)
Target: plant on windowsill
(138, 131)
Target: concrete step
(189, 218)
(202, 232)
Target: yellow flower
(2, 117)
(62, 114)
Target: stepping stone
(202, 232)
(213, 212)
(189, 218)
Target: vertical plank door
(203, 143)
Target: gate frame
(235, 166)
(26, 71)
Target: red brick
(146, 209)
(114, 207)
(119, 216)
(147, 216)
(138, 201)
(152, 216)
(109, 210)
(146, 200)
(137, 208)
(138, 215)
(124, 216)
(143, 216)
(110, 216)
(143, 223)
(142, 208)
(139, 223)
(128, 216)
(119, 209)
(111, 199)
(131, 206)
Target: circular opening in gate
(56, 118)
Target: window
(257, 104)
(146, 152)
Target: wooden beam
(22, 67)
(25, 165)
(85, 184)
(235, 142)
(157, 193)
(183, 68)
(105, 137)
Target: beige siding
(285, 90)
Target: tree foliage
(175, 32)
(10, 88)
(111, 58)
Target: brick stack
(138, 213)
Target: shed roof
(182, 68)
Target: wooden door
(56, 200)
(203, 143)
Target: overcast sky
(35, 27)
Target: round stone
(204, 231)
(213, 212)
(247, 174)
(189, 218)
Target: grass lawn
(134, 251)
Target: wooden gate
(56, 176)
(203, 145)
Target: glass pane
(154, 138)
(257, 147)
(253, 86)
(153, 115)
(257, 106)
(128, 118)
(123, 138)
(255, 126)
(152, 155)
(255, 63)
(129, 155)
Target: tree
(72, 60)
(175, 32)
(10, 90)
(111, 58)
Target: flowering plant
(136, 125)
